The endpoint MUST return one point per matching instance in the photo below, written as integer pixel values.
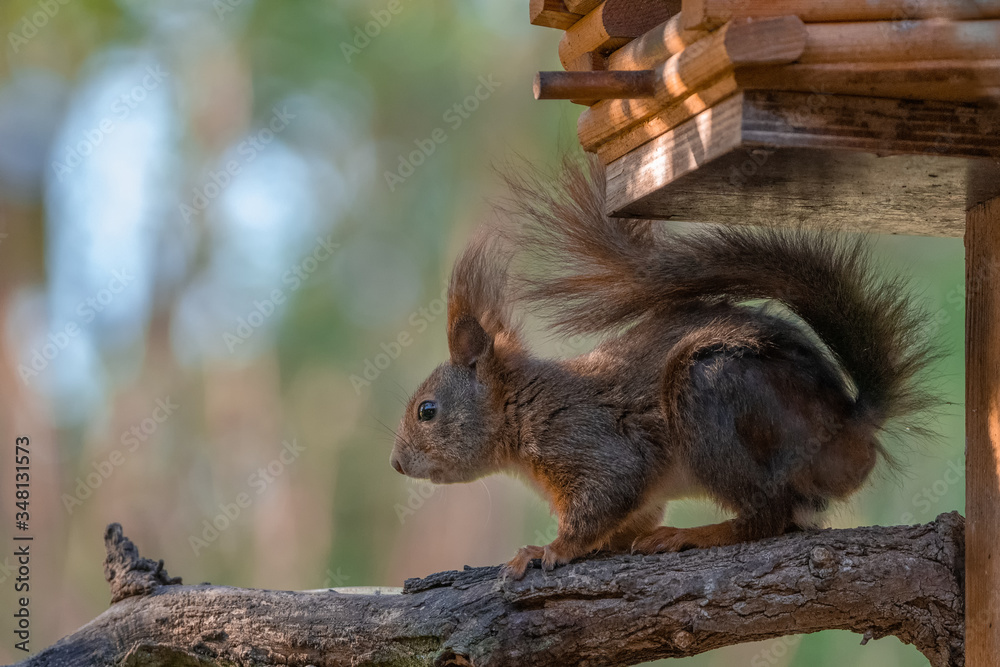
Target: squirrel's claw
(550, 559)
(518, 565)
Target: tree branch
(905, 581)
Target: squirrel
(702, 385)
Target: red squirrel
(700, 386)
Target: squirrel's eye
(426, 411)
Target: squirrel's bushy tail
(596, 274)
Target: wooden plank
(593, 85)
(655, 46)
(879, 126)
(982, 429)
(904, 194)
(613, 24)
(582, 6)
(897, 41)
(947, 80)
(709, 14)
(794, 157)
(778, 40)
(668, 119)
(551, 14)
(709, 135)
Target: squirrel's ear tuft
(477, 304)
(467, 341)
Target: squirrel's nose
(398, 466)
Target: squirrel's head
(450, 430)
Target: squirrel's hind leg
(745, 417)
(666, 538)
(637, 526)
(751, 524)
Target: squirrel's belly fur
(691, 391)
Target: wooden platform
(889, 166)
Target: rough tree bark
(905, 581)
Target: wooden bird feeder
(881, 115)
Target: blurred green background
(221, 268)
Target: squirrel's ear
(467, 341)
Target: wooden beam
(880, 165)
(982, 428)
(613, 24)
(664, 121)
(551, 14)
(709, 14)
(947, 80)
(897, 41)
(582, 6)
(593, 85)
(884, 41)
(655, 46)
(963, 73)
(767, 41)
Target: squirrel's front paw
(518, 565)
(551, 557)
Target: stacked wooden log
(643, 67)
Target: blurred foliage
(361, 105)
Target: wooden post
(982, 428)
(594, 85)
